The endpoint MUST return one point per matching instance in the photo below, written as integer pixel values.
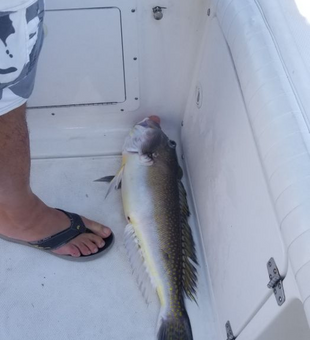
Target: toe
(97, 228)
(93, 248)
(94, 241)
(84, 249)
(68, 249)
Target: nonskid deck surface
(44, 297)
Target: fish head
(148, 140)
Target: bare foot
(32, 220)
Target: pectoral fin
(115, 181)
(106, 179)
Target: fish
(158, 238)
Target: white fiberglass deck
(44, 297)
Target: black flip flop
(55, 241)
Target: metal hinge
(276, 281)
(229, 332)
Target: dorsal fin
(188, 248)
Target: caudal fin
(175, 328)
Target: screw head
(198, 94)
(158, 15)
(158, 12)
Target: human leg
(23, 215)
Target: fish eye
(172, 144)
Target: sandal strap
(76, 228)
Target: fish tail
(174, 328)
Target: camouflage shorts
(21, 39)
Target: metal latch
(229, 332)
(276, 281)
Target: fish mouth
(150, 123)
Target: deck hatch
(94, 58)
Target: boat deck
(45, 297)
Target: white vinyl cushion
(277, 111)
